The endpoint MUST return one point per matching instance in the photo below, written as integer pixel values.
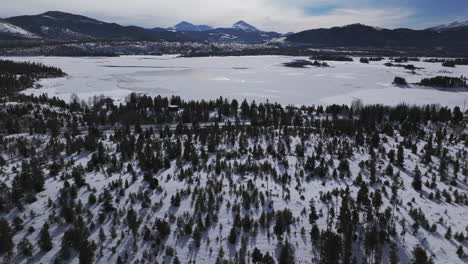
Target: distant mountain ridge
(66, 26)
(186, 26)
(239, 32)
(60, 25)
(452, 26)
(358, 35)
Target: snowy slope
(8, 28)
(204, 188)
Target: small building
(465, 116)
(173, 108)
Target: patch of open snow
(12, 29)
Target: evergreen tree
(6, 236)
(448, 234)
(330, 248)
(257, 256)
(420, 256)
(417, 182)
(460, 252)
(393, 257)
(286, 254)
(232, 238)
(132, 221)
(268, 259)
(86, 252)
(45, 241)
(401, 156)
(25, 247)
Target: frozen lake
(258, 78)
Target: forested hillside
(162, 180)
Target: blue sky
(274, 15)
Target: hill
(358, 35)
(60, 25)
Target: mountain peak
(184, 23)
(245, 26)
(187, 26)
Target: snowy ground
(257, 78)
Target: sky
(268, 15)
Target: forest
(222, 181)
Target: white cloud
(274, 15)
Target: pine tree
(330, 248)
(346, 226)
(25, 247)
(45, 241)
(420, 256)
(257, 256)
(175, 200)
(417, 182)
(448, 234)
(132, 221)
(393, 257)
(268, 259)
(6, 236)
(401, 156)
(286, 254)
(86, 252)
(232, 238)
(460, 252)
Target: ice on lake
(258, 78)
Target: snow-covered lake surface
(258, 78)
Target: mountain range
(239, 32)
(358, 35)
(65, 26)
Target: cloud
(272, 15)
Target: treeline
(406, 66)
(331, 58)
(444, 82)
(17, 76)
(143, 110)
(449, 62)
(405, 59)
(29, 68)
(304, 63)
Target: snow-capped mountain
(244, 26)
(186, 26)
(8, 29)
(451, 26)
